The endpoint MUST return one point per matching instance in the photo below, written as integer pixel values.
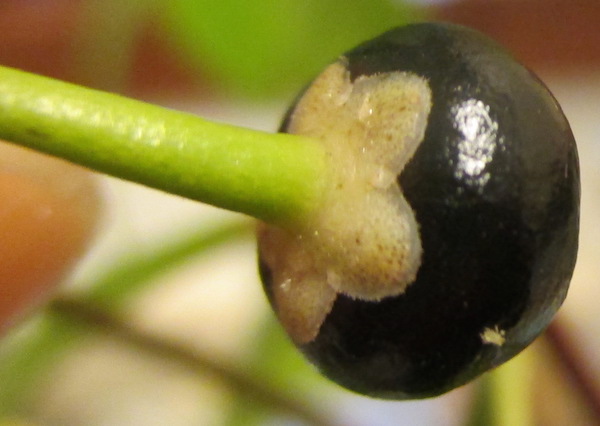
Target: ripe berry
(449, 234)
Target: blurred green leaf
(272, 47)
(130, 275)
(24, 362)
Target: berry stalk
(275, 177)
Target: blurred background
(242, 62)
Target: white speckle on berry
(493, 336)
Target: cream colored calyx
(364, 240)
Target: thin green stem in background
(512, 390)
(278, 178)
(243, 383)
(505, 396)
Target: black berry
(492, 186)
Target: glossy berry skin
(495, 189)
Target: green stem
(274, 177)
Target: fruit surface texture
(479, 168)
